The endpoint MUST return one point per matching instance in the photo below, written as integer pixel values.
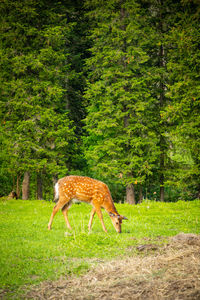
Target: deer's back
(83, 188)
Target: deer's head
(117, 221)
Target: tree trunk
(130, 194)
(162, 168)
(39, 187)
(162, 190)
(162, 194)
(18, 185)
(13, 187)
(140, 194)
(162, 129)
(26, 186)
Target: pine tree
(183, 113)
(161, 17)
(36, 124)
(120, 142)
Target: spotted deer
(87, 190)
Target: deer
(89, 190)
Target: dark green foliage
(120, 139)
(130, 92)
(183, 113)
(108, 89)
(38, 132)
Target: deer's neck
(109, 206)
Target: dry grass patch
(168, 272)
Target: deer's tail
(56, 192)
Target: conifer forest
(108, 89)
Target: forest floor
(171, 271)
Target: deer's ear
(124, 218)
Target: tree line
(107, 89)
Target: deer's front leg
(99, 213)
(91, 218)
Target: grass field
(31, 254)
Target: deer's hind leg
(63, 204)
(65, 211)
(55, 210)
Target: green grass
(30, 253)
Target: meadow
(31, 254)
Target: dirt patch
(168, 272)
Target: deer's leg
(55, 210)
(91, 218)
(99, 213)
(64, 211)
